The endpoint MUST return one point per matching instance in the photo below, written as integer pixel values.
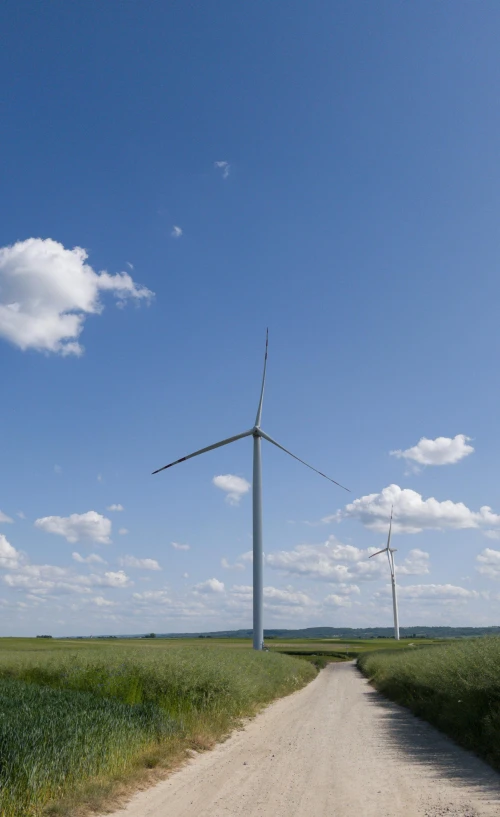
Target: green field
(454, 685)
(76, 717)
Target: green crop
(455, 686)
(68, 716)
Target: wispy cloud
(93, 558)
(225, 167)
(178, 546)
(115, 508)
(140, 564)
(176, 231)
(225, 564)
(5, 518)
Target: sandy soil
(335, 748)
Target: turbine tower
(390, 555)
(257, 433)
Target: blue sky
(329, 172)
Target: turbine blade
(204, 450)
(259, 410)
(270, 440)
(377, 553)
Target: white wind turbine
(390, 555)
(257, 433)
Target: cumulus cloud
(141, 564)
(47, 291)
(441, 451)
(235, 487)
(113, 579)
(5, 518)
(210, 586)
(416, 563)
(93, 558)
(177, 546)
(412, 513)
(330, 562)
(176, 232)
(225, 167)
(90, 525)
(115, 508)
(489, 563)
(9, 556)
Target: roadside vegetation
(455, 686)
(76, 721)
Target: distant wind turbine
(257, 433)
(390, 555)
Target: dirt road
(335, 749)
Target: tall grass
(70, 716)
(455, 686)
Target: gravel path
(333, 749)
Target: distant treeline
(333, 632)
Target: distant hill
(335, 632)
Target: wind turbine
(390, 555)
(257, 433)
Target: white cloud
(225, 167)
(330, 562)
(176, 232)
(210, 586)
(100, 601)
(416, 563)
(489, 563)
(185, 575)
(441, 451)
(141, 564)
(9, 556)
(412, 513)
(88, 560)
(225, 564)
(90, 525)
(115, 508)
(113, 579)
(5, 518)
(235, 487)
(123, 531)
(177, 546)
(335, 600)
(47, 291)
(21, 515)
(432, 592)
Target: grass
(455, 686)
(75, 719)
